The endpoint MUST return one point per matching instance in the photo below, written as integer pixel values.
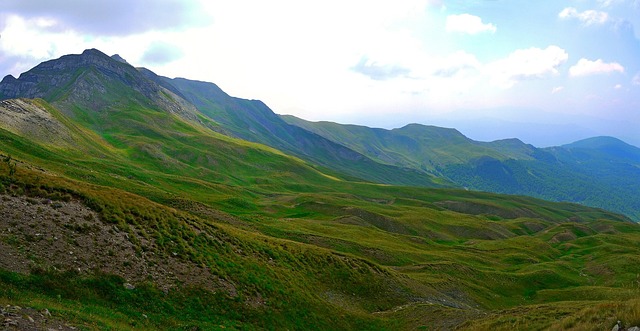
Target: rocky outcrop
(43, 80)
(620, 327)
(93, 81)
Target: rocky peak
(94, 81)
(45, 79)
(119, 58)
(8, 79)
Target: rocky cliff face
(94, 81)
(47, 77)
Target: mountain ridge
(94, 81)
(254, 121)
(510, 166)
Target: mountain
(601, 172)
(605, 147)
(95, 82)
(109, 88)
(417, 146)
(139, 214)
(253, 120)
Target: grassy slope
(287, 280)
(417, 146)
(368, 248)
(600, 172)
(252, 120)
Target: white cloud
(113, 17)
(586, 67)
(378, 71)
(466, 23)
(160, 52)
(454, 64)
(30, 41)
(525, 64)
(557, 89)
(636, 79)
(609, 3)
(605, 3)
(436, 3)
(618, 86)
(587, 17)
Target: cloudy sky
(545, 71)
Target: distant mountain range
(600, 171)
(90, 88)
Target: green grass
(323, 252)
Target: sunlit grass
(326, 252)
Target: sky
(548, 72)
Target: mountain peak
(596, 142)
(8, 79)
(609, 146)
(119, 58)
(95, 81)
(93, 51)
(430, 132)
(45, 79)
(514, 141)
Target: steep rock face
(43, 80)
(93, 81)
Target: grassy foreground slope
(129, 263)
(237, 235)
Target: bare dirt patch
(44, 234)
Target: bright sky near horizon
(548, 72)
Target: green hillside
(600, 172)
(252, 120)
(418, 146)
(138, 215)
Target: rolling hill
(600, 172)
(124, 206)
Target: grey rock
(618, 327)
(119, 58)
